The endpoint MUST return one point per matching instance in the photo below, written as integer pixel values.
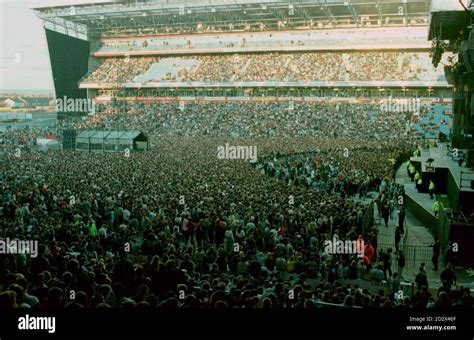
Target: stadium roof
(118, 17)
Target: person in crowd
(448, 275)
(397, 239)
(394, 283)
(401, 263)
(401, 219)
(421, 278)
(431, 189)
(436, 252)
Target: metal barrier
(418, 254)
(407, 288)
(412, 253)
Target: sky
(24, 58)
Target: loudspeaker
(452, 75)
(467, 52)
(442, 137)
(470, 159)
(69, 139)
(472, 104)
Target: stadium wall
(453, 191)
(69, 62)
(422, 214)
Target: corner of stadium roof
(93, 19)
(448, 18)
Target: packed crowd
(249, 119)
(324, 66)
(25, 138)
(335, 170)
(177, 226)
(119, 70)
(354, 66)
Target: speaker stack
(69, 139)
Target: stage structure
(451, 30)
(111, 141)
(450, 165)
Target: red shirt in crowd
(369, 252)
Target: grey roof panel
(109, 134)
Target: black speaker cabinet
(69, 139)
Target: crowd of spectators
(120, 70)
(324, 66)
(176, 226)
(358, 122)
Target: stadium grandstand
(272, 129)
(247, 49)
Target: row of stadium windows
(280, 92)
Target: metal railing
(417, 254)
(412, 253)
